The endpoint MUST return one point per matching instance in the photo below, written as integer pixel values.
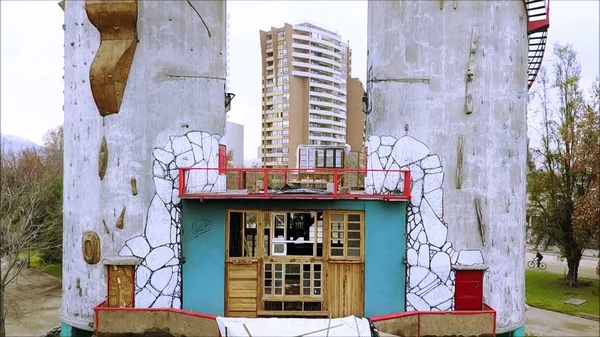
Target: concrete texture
(175, 87)
(549, 323)
(418, 55)
(33, 303)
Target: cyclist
(539, 257)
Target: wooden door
(345, 263)
(242, 289)
(242, 268)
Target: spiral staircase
(538, 22)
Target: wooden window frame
(336, 151)
(259, 239)
(327, 244)
(269, 215)
(262, 258)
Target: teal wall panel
(204, 249)
(385, 272)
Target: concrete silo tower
(144, 95)
(447, 97)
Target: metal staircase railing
(538, 22)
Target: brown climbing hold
(121, 219)
(90, 247)
(134, 190)
(116, 21)
(103, 158)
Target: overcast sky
(32, 54)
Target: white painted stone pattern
(158, 277)
(429, 278)
(175, 86)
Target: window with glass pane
(353, 235)
(345, 235)
(311, 158)
(329, 158)
(339, 158)
(337, 235)
(303, 158)
(293, 279)
(320, 158)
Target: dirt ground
(33, 301)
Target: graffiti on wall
(429, 278)
(158, 277)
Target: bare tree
(21, 224)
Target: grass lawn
(548, 291)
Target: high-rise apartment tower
(308, 96)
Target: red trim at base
(487, 310)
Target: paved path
(549, 323)
(587, 266)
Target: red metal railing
(283, 183)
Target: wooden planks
(345, 289)
(242, 290)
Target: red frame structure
(486, 310)
(102, 307)
(285, 174)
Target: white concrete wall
(234, 135)
(418, 61)
(172, 116)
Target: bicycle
(533, 263)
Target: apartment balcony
(314, 74)
(328, 87)
(340, 141)
(312, 129)
(328, 113)
(337, 56)
(283, 183)
(328, 96)
(311, 56)
(318, 31)
(325, 44)
(326, 121)
(313, 66)
(327, 104)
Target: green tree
(586, 219)
(555, 180)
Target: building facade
(234, 140)
(308, 95)
(160, 235)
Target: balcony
(283, 183)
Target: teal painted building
(208, 270)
